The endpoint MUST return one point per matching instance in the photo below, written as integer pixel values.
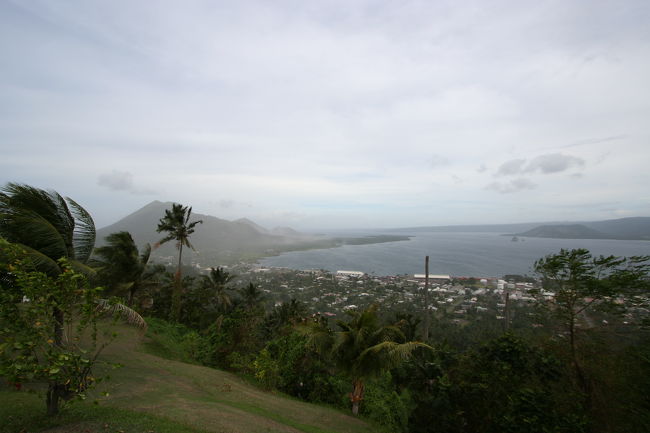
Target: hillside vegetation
(154, 394)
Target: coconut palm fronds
(117, 309)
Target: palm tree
(123, 268)
(215, 282)
(364, 348)
(176, 223)
(251, 296)
(47, 226)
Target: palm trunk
(176, 294)
(580, 375)
(356, 396)
(131, 294)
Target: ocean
(456, 254)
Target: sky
(331, 114)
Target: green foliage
(251, 296)
(216, 286)
(385, 406)
(580, 280)
(174, 341)
(509, 385)
(363, 348)
(267, 370)
(123, 269)
(33, 310)
(289, 363)
(234, 340)
(581, 283)
(47, 226)
(283, 317)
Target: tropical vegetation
(122, 269)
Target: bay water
(458, 254)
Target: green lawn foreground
(152, 394)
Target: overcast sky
(332, 114)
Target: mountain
(474, 228)
(572, 231)
(286, 231)
(637, 228)
(217, 241)
(624, 228)
(248, 222)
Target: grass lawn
(153, 394)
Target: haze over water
(457, 254)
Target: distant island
(572, 231)
(619, 229)
(632, 228)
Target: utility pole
(426, 300)
(507, 310)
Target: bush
(385, 406)
(48, 328)
(175, 341)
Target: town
(459, 300)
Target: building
(433, 278)
(356, 274)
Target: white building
(357, 274)
(432, 277)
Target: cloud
(254, 103)
(225, 204)
(116, 180)
(514, 185)
(120, 181)
(597, 140)
(437, 161)
(553, 163)
(511, 167)
(545, 164)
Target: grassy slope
(152, 394)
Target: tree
(251, 296)
(176, 223)
(580, 282)
(505, 385)
(364, 348)
(57, 236)
(122, 268)
(47, 226)
(216, 283)
(29, 327)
